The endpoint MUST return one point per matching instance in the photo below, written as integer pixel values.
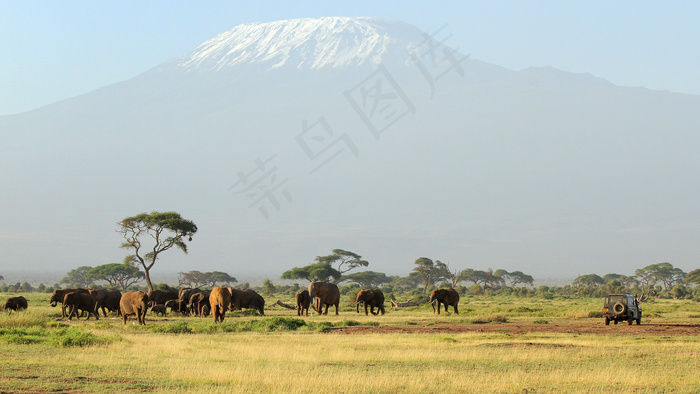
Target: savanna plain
(495, 344)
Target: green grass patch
(178, 327)
(57, 336)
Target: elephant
(107, 299)
(184, 296)
(159, 309)
(219, 301)
(161, 296)
(303, 302)
(324, 293)
(247, 299)
(446, 297)
(16, 303)
(134, 303)
(77, 300)
(58, 295)
(205, 310)
(372, 298)
(197, 301)
(175, 306)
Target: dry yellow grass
(303, 362)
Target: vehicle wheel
(607, 321)
(639, 320)
(619, 308)
(615, 321)
(630, 320)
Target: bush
(499, 318)
(348, 323)
(279, 324)
(69, 337)
(180, 327)
(324, 326)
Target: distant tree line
(660, 280)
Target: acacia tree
(431, 271)
(318, 272)
(122, 275)
(344, 258)
(367, 279)
(78, 277)
(515, 277)
(693, 277)
(197, 278)
(165, 229)
(588, 280)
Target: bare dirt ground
(522, 328)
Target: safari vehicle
(621, 307)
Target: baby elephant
(303, 302)
(159, 309)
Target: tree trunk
(147, 274)
(282, 304)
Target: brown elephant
(58, 295)
(184, 296)
(76, 300)
(446, 297)
(198, 301)
(161, 296)
(16, 303)
(303, 302)
(374, 298)
(324, 293)
(247, 299)
(134, 303)
(219, 301)
(107, 299)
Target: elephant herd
(219, 300)
(327, 294)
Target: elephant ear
(369, 295)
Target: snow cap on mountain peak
(308, 43)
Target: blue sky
(54, 50)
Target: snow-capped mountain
(305, 44)
(285, 140)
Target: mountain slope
(283, 141)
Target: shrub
(499, 318)
(348, 323)
(180, 327)
(68, 337)
(324, 326)
(279, 324)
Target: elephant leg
(366, 308)
(336, 308)
(456, 313)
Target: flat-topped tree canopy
(165, 229)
